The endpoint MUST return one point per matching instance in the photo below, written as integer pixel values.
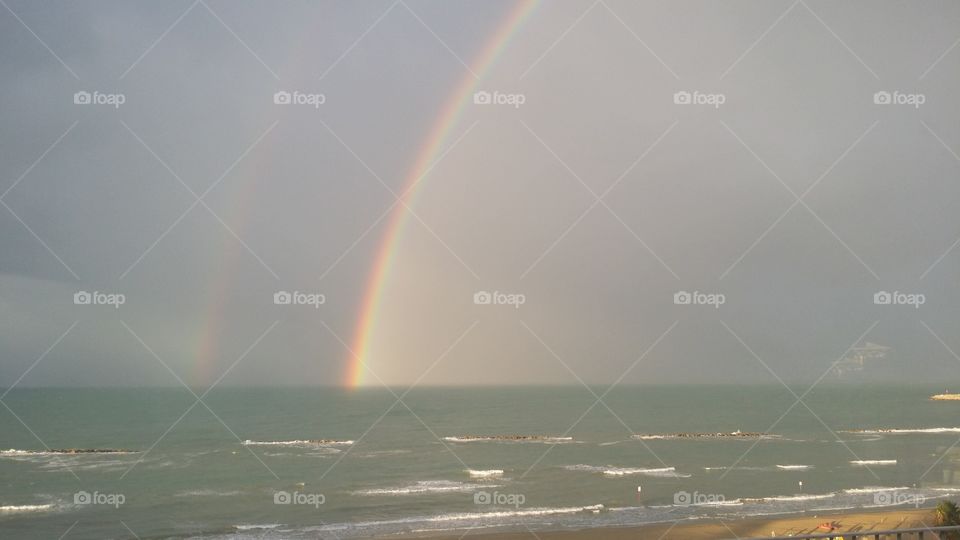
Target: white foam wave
(868, 462)
(207, 493)
(305, 442)
(382, 453)
(256, 526)
(872, 489)
(794, 467)
(426, 486)
(792, 498)
(628, 471)
(485, 473)
(13, 452)
(738, 468)
(466, 516)
(906, 430)
(23, 508)
(530, 439)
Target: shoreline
(710, 529)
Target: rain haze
(632, 193)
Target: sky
(783, 162)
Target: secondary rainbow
(434, 144)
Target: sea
(371, 463)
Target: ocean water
(237, 465)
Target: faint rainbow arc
(433, 146)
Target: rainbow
(433, 146)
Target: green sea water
(232, 465)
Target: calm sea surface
(392, 467)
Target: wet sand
(744, 528)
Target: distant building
(860, 359)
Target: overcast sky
(789, 191)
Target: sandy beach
(746, 528)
